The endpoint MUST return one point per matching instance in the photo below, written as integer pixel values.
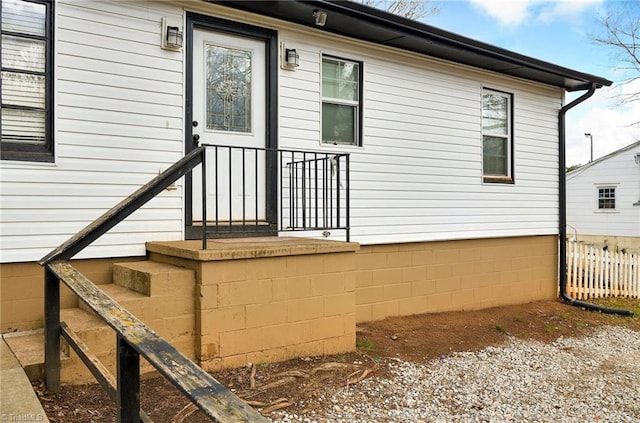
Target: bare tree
(410, 9)
(621, 33)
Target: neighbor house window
(26, 117)
(341, 101)
(497, 137)
(606, 198)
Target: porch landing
(244, 248)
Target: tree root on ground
(282, 379)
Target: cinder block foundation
(267, 299)
(255, 300)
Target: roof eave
(355, 20)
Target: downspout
(562, 277)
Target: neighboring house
(603, 200)
(455, 145)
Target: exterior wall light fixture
(290, 58)
(320, 16)
(171, 36)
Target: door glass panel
(228, 92)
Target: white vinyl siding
(119, 121)
(418, 174)
(618, 171)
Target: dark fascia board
(361, 22)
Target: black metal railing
(238, 186)
(313, 189)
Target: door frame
(270, 38)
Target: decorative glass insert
(340, 101)
(606, 198)
(228, 89)
(496, 134)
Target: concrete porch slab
(243, 248)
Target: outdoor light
(292, 57)
(588, 135)
(637, 158)
(174, 37)
(171, 36)
(320, 17)
(289, 57)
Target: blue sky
(556, 31)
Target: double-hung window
(26, 118)
(497, 137)
(606, 198)
(341, 101)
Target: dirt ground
(300, 385)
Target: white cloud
(509, 13)
(606, 121)
(562, 9)
(514, 12)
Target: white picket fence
(594, 273)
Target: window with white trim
(497, 137)
(26, 117)
(606, 198)
(341, 101)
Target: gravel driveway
(591, 379)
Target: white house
(603, 199)
(455, 146)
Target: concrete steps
(160, 295)
(134, 302)
(28, 348)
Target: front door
(229, 92)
